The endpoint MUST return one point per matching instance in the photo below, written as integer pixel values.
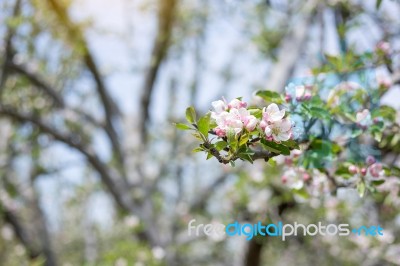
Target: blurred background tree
(92, 170)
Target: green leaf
(182, 126)
(378, 182)
(386, 112)
(395, 171)
(243, 139)
(191, 115)
(361, 189)
(275, 147)
(270, 96)
(343, 171)
(198, 149)
(204, 125)
(246, 157)
(291, 144)
(220, 145)
(378, 4)
(302, 193)
(357, 132)
(232, 140)
(197, 136)
(209, 155)
(320, 113)
(256, 112)
(378, 136)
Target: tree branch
(9, 52)
(166, 15)
(73, 141)
(110, 108)
(37, 81)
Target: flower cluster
(232, 117)
(372, 168)
(235, 117)
(299, 92)
(363, 119)
(274, 125)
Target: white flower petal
(268, 131)
(285, 125)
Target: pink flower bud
(288, 98)
(237, 104)
(307, 96)
(269, 138)
(251, 123)
(306, 177)
(384, 47)
(375, 170)
(263, 125)
(220, 132)
(363, 171)
(288, 161)
(370, 160)
(284, 179)
(353, 169)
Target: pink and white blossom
(219, 106)
(279, 130)
(272, 113)
(376, 170)
(364, 119)
(237, 104)
(384, 47)
(231, 119)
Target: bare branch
(116, 188)
(9, 52)
(160, 47)
(37, 81)
(110, 108)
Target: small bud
(306, 177)
(376, 170)
(284, 179)
(288, 98)
(353, 169)
(307, 96)
(288, 161)
(363, 171)
(370, 160)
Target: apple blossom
(272, 113)
(237, 104)
(249, 121)
(353, 169)
(376, 170)
(363, 171)
(370, 160)
(306, 177)
(219, 107)
(384, 82)
(383, 47)
(227, 122)
(232, 117)
(292, 177)
(364, 119)
(279, 130)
